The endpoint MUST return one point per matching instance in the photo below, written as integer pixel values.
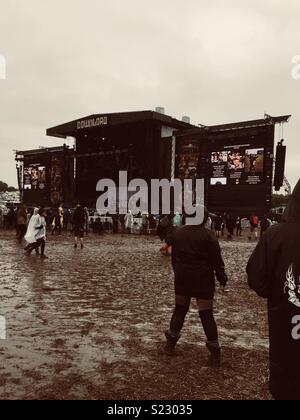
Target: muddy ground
(89, 325)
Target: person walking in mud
(254, 222)
(21, 222)
(78, 225)
(129, 220)
(86, 220)
(274, 274)
(30, 236)
(230, 225)
(41, 234)
(238, 226)
(36, 233)
(196, 259)
(218, 225)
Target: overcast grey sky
(217, 61)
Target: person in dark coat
(21, 222)
(238, 226)
(78, 225)
(274, 273)
(97, 226)
(196, 259)
(264, 225)
(218, 225)
(11, 218)
(230, 225)
(115, 219)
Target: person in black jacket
(274, 273)
(230, 225)
(218, 225)
(196, 258)
(79, 219)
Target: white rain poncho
(32, 231)
(129, 220)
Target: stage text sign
(92, 122)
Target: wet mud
(89, 324)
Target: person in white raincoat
(30, 236)
(41, 234)
(129, 221)
(32, 230)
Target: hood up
(292, 212)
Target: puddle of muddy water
(107, 305)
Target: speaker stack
(279, 166)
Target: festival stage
(235, 160)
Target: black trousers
(207, 319)
(40, 243)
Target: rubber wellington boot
(170, 344)
(215, 355)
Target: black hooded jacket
(197, 259)
(274, 273)
(79, 217)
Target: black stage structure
(236, 161)
(105, 144)
(46, 176)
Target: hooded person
(129, 221)
(79, 218)
(41, 233)
(39, 228)
(30, 236)
(145, 222)
(196, 260)
(274, 273)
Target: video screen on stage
(188, 157)
(34, 178)
(237, 165)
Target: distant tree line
(5, 188)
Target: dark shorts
(78, 232)
(194, 285)
(194, 294)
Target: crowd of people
(222, 225)
(230, 225)
(81, 221)
(60, 220)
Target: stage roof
(235, 126)
(20, 155)
(72, 128)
